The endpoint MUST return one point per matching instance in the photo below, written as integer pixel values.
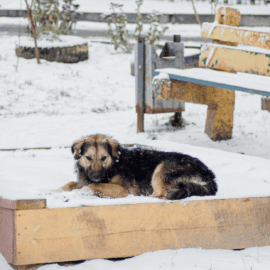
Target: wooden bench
(224, 67)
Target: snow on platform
(39, 173)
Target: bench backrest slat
(234, 60)
(236, 34)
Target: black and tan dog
(110, 170)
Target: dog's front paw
(94, 190)
(87, 190)
(68, 187)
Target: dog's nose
(95, 177)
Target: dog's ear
(76, 148)
(115, 146)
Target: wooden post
(266, 104)
(140, 83)
(219, 121)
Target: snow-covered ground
(53, 104)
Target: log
(67, 54)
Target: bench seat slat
(253, 84)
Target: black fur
(139, 164)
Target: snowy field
(53, 104)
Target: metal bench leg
(219, 121)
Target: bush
(48, 19)
(118, 33)
(156, 30)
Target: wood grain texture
(232, 60)
(22, 204)
(219, 120)
(53, 235)
(236, 35)
(228, 16)
(7, 234)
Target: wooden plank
(219, 120)
(7, 234)
(23, 204)
(53, 235)
(224, 80)
(236, 34)
(234, 60)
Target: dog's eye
(88, 158)
(103, 158)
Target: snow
(239, 47)
(53, 104)
(39, 173)
(209, 27)
(197, 259)
(51, 41)
(163, 6)
(247, 81)
(161, 76)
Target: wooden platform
(40, 235)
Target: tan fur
(69, 186)
(77, 147)
(96, 152)
(106, 175)
(118, 187)
(109, 190)
(159, 187)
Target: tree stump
(66, 54)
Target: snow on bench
(254, 84)
(223, 66)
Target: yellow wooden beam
(54, 235)
(234, 60)
(236, 35)
(22, 204)
(219, 120)
(228, 16)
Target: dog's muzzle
(95, 177)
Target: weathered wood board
(231, 60)
(236, 35)
(22, 204)
(69, 234)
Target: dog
(111, 170)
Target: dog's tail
(207, 187)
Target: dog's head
(96, 154)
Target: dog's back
(181, 175)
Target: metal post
(140, 83)
(176, 38)
(177, 118)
